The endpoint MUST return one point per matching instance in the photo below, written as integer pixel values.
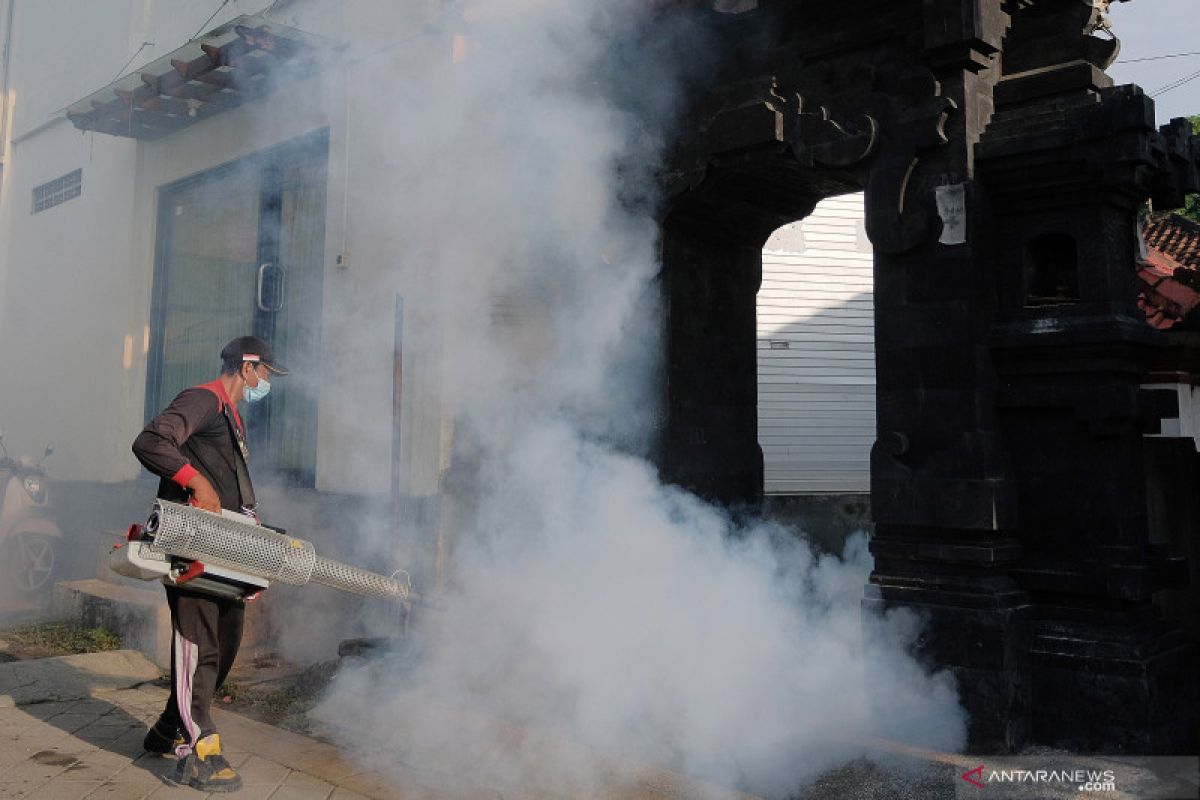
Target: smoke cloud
(587, 605)
(597, 607)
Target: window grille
(57, 191)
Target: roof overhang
(240, 61)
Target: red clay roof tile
(1169, 277)
(1176, 236)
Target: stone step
(138, 615)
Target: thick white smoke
(586, 602)
(598, 607)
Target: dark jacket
(192, 435)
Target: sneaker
(163, 739)
(206, 769)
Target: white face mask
(254, 393)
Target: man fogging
(197, 447)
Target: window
(1051, 270)
(57, 191)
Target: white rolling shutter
(816, 353)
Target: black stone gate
(1003, 172)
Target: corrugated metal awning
(241, 60)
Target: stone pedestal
(1113, 687)
(983, 640)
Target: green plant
(284, 706)
(63, 638)
(1191, 207)
(284, 702)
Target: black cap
(254, 350)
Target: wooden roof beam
(119, 110)
(195, 68)
(234, 79)
(114, 112)
(179, 108)
(250, 65)
(222, 80)
(263, 39)
(138, 96)
(239, 55)
(174, 84)
(224, 55)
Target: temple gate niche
(1002, 173)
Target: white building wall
(76, 280)
(816, 353)
(62, 307)
(6, 13)
(1187, 424)
(69, 323)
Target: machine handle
(194, 570)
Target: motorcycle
(29, 536)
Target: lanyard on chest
(240, 461)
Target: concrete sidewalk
(72, 728)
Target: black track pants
(207, 632)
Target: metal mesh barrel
(337, 575)
(222, 541)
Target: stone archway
(712, 254)
(986, 137)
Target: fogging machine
(231, 555)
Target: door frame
(262, 161)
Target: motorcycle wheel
(30, 561)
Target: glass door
(240, 251)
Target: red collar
(218, 388)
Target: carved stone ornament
(739, 118)
(834, 145)
(899, 206)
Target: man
(197, 447)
